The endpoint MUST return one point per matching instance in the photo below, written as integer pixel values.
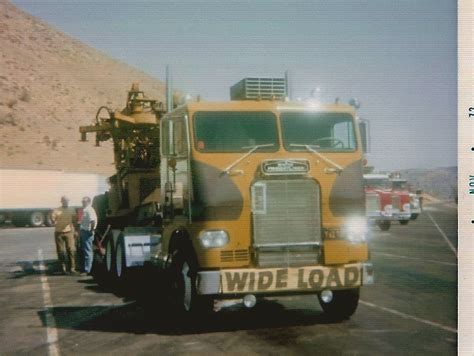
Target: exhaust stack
(169, 90)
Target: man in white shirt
(86, 233)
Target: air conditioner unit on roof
(259, 89)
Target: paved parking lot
(412, 308)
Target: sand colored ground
(50, 84)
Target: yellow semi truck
(259, 196)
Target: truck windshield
(322, 130)
(378, 183)
(400, 184)
(232, 131)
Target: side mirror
(364, 129)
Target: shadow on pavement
(29, 268)
(131, 318)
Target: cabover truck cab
(262, 196)
(403, 200)
(378, 199)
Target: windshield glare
(321, 130)
(231, 131)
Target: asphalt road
(411, 309)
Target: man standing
(86, 232)
(64, 219)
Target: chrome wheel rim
(118, 260)
(187, 292)
(108, 256)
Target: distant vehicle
(27, 197)
(401, 185)
(401, 200)
(378, 198)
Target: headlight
(213, 238)
(388, 208)
(356, 229)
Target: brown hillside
(50, 84)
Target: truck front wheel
(36, 219)
(186, 289)
(343, 304)
(384, 225)
(184, 293)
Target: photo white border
(465, 169)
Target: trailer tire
(384, 225)
(36, 219)
(343, 304)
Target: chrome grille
(372, 202)
(286, 215)
(288, 258)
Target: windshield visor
(231, 131)
(322, 131)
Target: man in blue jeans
(86, 233)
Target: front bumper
(284, 280)
(402, 215)
(392, 216)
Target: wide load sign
(291, 279)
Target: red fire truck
(401, 187)
(378, 197)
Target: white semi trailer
(27, 197)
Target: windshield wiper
(310, 148)
(252, 150)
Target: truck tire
(343, 304)
(404, 222)
(414, 216)
(384, 225)
(120, 263)
(109, 256)
(184, 292)
(183, 270)
(36, 219)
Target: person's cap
(64, 198)
(86, 199)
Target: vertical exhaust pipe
(169, 90)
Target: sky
(398, 58)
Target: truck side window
(174, 137)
